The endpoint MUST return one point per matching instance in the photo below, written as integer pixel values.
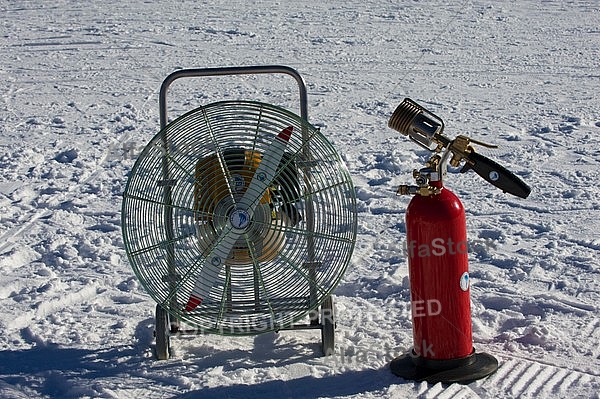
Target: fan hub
(239, 219)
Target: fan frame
(321, 316)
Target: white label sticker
(464, 281)
(238, 183)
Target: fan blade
(266, 171)
(212, 266)
(239, 219)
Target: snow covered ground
(79, 99)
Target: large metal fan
(238, 218)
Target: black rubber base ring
(462, 371)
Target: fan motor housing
(212, 199)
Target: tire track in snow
(506, 374)
(554, 381)
(454, 391)
(514, 378)
(565, 383)
(528, 378)
(592, 330)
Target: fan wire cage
(182, 192)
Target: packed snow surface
(79, 100)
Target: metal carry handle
(247, 70)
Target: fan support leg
(328, 326)
(162, 334)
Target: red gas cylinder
(438, 269)
(439, 277)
